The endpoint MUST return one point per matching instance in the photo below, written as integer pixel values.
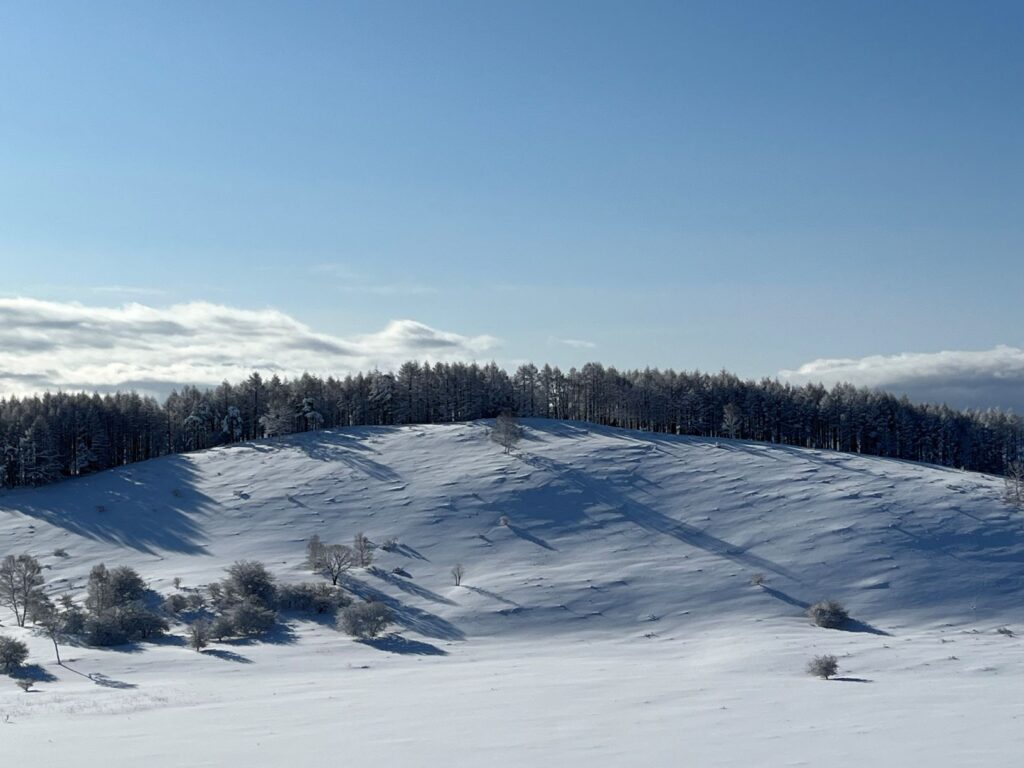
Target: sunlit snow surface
(611, 623)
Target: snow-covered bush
(828, 614)
(310, 598)
(116, 612)
(250, 619)
(249, 581)
(110, 588)
(364, 620)
(12, 654)
(823, 666)
(222, 627)
(122, 624)
(175, 604)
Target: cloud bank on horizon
(47, 345)
(50, 345)
(963, 379)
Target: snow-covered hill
(610, 622)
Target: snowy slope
(612, 622)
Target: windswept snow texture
(611, 622)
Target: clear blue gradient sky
(749, 185)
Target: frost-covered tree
(311, 417)
(277, 421)
(823, 666)
(199, 634)
(365, 620)
(314, 553)
(506, 432)
(13, 654)
(249, 581)
(43, 439)
(232, 425)
(363, 550)
(732, 420)
(335, 560)
(1014, 482)
(20, 580)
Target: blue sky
(752, 186)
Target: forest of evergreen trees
(44, 439)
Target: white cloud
(575, 343)
(53, 345)
(974, 379)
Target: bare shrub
(828, 614)
(457, 573)
(823, 666)
(25, 685)
(504, 521)
(177, 582)
(390, 544)
(757, 580)
(364, 620)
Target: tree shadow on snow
(850, 625)
(787, 599)
(35, 673)
(100, 679)
(223, 655)
(405, 549)
(854, 625)
(522, 533)
(279, 634)
(411, 587)
(589, 491)
(345, 449)
(492, 595)
(414, 619)
(404, 646)
(851, 680)
(137, 506)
